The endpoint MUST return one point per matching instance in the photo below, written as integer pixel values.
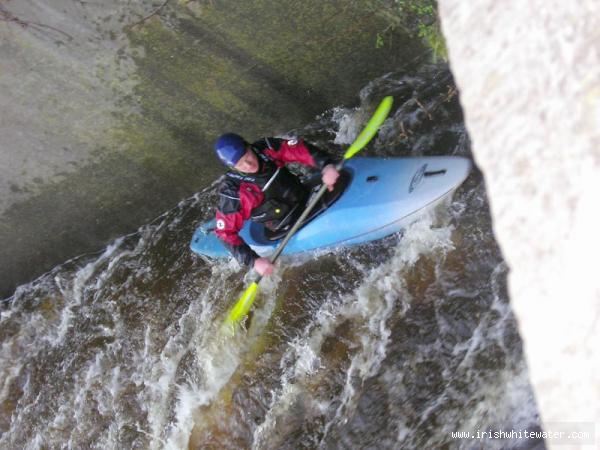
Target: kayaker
(260, 188)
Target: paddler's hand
(263, 266)
(329, 176)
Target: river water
(394, 344)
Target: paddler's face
(247, 163)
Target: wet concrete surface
(108, 114)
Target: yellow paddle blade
(243, 305)
(371, 128)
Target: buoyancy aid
(283, 192)
(268, 196)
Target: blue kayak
(383, 196)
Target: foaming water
(367, 308)
(393, 344)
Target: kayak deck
(384, 196)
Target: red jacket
(254, 196)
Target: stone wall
(108, 109)
(529, 78)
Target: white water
(392, 344)
(368, 308)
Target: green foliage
(432, 34)
(419, 18)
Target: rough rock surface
(529, 78)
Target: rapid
(393, 344)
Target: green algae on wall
(419, 19)
(193, 69)
(260, 67)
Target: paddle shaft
(300, 220)
(243, 305)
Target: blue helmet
(230, 148)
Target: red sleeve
(293, 150)
(229, 226)
(230, 219)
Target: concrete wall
(529, 78)
(108, 109)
